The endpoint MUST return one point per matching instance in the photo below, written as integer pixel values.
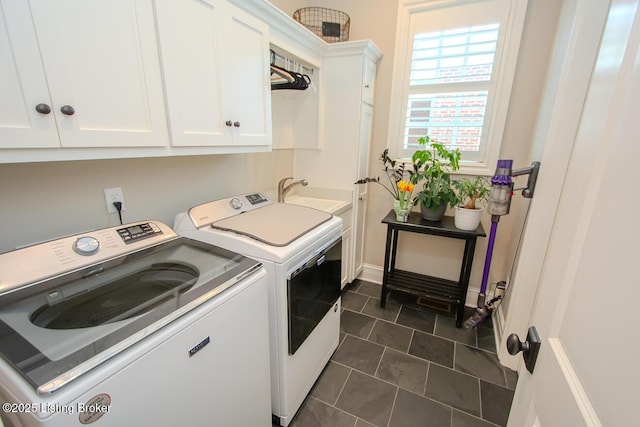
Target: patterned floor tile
(453, 388)
(432, 348)
(359, 354)
(391, 335)
(375, 405)
(404, 370)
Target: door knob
(67, 110)
(514, 346)
(529, 347)
(43, 109)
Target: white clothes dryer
(301, 249)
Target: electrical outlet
(113, 195)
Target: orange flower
(405, 186)
(404, 194)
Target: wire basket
(328, 24)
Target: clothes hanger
(280, 75)
(283, 78)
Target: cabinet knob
(366, 86)
(236, 124)
(67, 110)
(228, 123)
(43, 109)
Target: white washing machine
(301, 249)
(133, 325)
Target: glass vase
(402, 213)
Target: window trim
(505, 66)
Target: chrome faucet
(282, 190)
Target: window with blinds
(451, 73)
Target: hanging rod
(289, 63)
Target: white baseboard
(373, 273)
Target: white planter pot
(467, 219)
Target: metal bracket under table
(441, 290)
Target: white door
(585, 309)
(102, 68)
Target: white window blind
(451, 72)
(454, 56)
(456, 80)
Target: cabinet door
(190, 34)
(23, 84)
(360, 204)
(102, 66)
(246, 77)
(216, 71)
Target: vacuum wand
(499, 205)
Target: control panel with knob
(86, 245)
(236, 203)
(206, 214)
(78, 252)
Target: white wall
(42, 201)
(376, 20)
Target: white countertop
(332, 201)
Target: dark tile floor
(407, 366)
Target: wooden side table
(438, 289)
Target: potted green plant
(433, 164)
(471, 196)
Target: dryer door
(312, 290)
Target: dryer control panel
(137, 232)
(208, 213)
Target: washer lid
(277, 224)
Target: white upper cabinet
(80, 74)
(215, 60)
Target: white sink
(327, 205)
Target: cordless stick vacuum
(499, 204)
